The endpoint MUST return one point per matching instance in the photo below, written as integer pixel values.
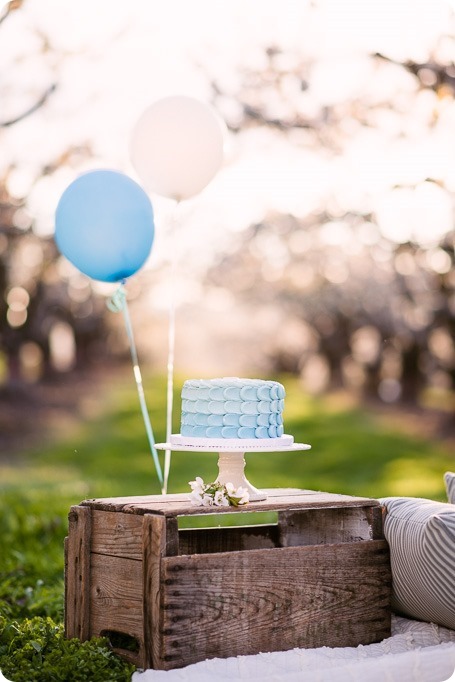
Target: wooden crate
(166, 597)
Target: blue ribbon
(116, 304)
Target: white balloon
(177, 146)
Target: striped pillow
(449, 478)
(421, 536)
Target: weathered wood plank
(175, 505)
(77, 573)
(324, 526)
(375, 517)
(227, 539)
(124, 616)
(304, 500)
(116, 601)
(164, 501)
(117, 534)
(172, 540)
(154, 550)
(114, 578)
(331, 595)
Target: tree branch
(10, 7)
(442, 75)
(42, 100)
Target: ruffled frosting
(232, 408)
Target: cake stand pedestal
(231, 469)
(231, 456)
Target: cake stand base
(231, 456)
(231, 469)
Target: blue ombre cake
(232, 408)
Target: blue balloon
(104, 225)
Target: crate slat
(324, 526)
(175, 505)
(117, 534)
(114, 578)
(375, 517)
(154, 550)
(77, 573)
(332, 595)
(227, 539)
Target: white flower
(217, 494)
(197, 485)
(243, 495)
(220, 499)
(196, 498)
(230, 489)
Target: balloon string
(170, 388)
(170, 361)
(116, 304)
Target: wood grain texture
(114, 579)
(77, 573)
(116, 600)
(117, 534)
(375, 518)
(227, 539)
(172, 540)
(324, 526)
(221, 605)
(278, 498)
(320, 577)
(154, 550)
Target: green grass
(107, 454)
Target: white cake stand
(231, 459)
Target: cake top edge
(230, 380)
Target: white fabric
(416, 652)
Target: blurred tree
(50, 319)
(375, 309)
(379, 319)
